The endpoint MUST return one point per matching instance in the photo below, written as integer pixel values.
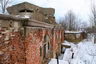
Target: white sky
(79, 7)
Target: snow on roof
(24, 15)
(66, 43)
(73, 31)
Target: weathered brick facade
(11, 47)
(28, 41)
(36, 39)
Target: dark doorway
(44, 51)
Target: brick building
(29, 35)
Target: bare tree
(93, 13)
(69, 21)
(64, 23)
(83, 26)
(4, 4)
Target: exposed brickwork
(11, 47)
(33, 44)
(15, 49)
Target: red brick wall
(33, 43)
(35, 39)
(11, 47)
(15, 49)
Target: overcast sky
(79, 7)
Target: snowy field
(82, 53)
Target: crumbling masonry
(29, 35)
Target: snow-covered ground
(83, 53)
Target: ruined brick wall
(58, 38)
(26, 44)
(35, 40)
(11, 47)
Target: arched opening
(46, 47)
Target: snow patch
(84, 52)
